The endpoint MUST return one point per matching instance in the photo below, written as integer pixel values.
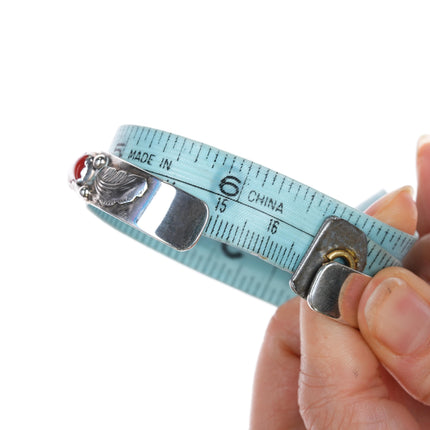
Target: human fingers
(397, 209)
(274, 403)
(418, 258)
(341, 384)
(423, 191)
(394, 319)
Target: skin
(373, 370)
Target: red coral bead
(79, 166)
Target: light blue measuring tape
(260, 223)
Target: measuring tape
(260, 224)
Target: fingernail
(423, 140)
(384, 203)
(397, 209)
(350, 295)
(398, 317)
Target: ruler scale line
(260, 212)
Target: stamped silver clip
(338, 249)
(140, 199)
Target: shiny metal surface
(320, 274)
(324, 293)
(140, 199)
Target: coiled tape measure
(232, 219)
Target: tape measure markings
(174, 180)
(133, 156)
(255, 211)
(212, 223)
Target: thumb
(341, 381)
(397, 209)
(394, 319)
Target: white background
(99, 332)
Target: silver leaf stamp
(118, 187)
(123, 191)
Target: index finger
(423, 192)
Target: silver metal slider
(338, 249)
(140, 199)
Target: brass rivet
(345, 254)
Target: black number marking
(221, 205)
(273, 226)
(229, 186)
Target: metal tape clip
(141, 200)
(338, 249)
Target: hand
(316, 373)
